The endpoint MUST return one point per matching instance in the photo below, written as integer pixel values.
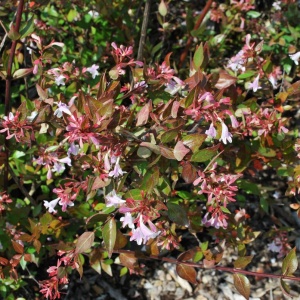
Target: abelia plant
(143, 154)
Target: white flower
(59, 80)
(113, 199)
(51, 205)
(61, 107)
(295, 57)
(255, 84)
(93, 70)
(127, 220)
(226, 135)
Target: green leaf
(267, 152)
(285, 288)
(162, 8)
(242, 284)
(28, 28)
(169, 136)
(177, 214)
(13, 34)
(150, 180)
(85, 242)
(247, 74)
(71, 15)
(22, 73)
(253, 14)
(194, 141)
(198, 56)
(204, 154)
(109, 235)
(290, 263)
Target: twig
(144, 30)
(8, 85)
(190, 39)
(21, 187)
(200, 265)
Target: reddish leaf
(175, 108)
(242, 262)
(186, 272)
(143, 114)
(225, 80)
(37, 245)
(290, 263)
(189, 173)
(3, 261)
(208, 264)
(187, 255)
(18, 247)
(85, 242)
(109, 235)
(180, 151)
(242, 284)
(99, 183)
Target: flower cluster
(220, 190)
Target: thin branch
(8, 85)
(21, 187)
(201, 266)
(190, 39)
(144, 30)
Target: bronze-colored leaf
(128, 260)
(290, 263)
(189, 172)
(18, 247)
(242, 284)
(85, 242)
(186, 272)
(109, 235)
(242, 262)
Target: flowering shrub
(141, 153)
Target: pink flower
(117, 171)
(255, 84)
(142, 234)
(226, 135)
(113, 199)
(234, 122)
